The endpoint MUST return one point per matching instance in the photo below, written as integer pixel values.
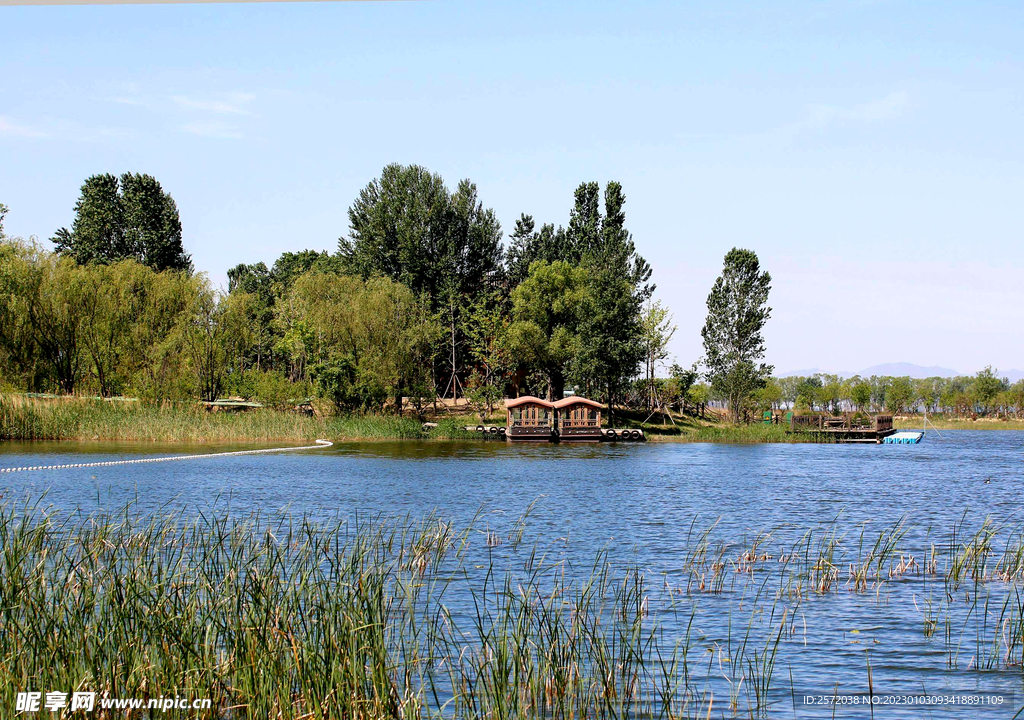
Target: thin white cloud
(221, 130)
(820, 117)
(233, 103)
(12, 129)
(126, 101)
(892, 105)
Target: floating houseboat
(530, 419)
(578, 419)
(572, 419)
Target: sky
(870, 152)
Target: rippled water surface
(646, 505)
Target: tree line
(419, 300)
(966, 396)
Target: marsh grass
(172, 422)
(282, 617)
(756, 433)
(290, 616)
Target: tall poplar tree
(733, 332)
(611, 345)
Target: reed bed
(281, 617)
(301, 616)
(171, 422)
(756, 433)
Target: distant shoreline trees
(966, 396)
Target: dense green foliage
(421, 301)
(130, 217)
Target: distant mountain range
(903, 369)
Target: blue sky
(869, 152)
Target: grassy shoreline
(84, 419)
(87, 420)
(180, 423)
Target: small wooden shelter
(578, 419)
(530, 419)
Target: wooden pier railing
(846, 423)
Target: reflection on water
(648, 504)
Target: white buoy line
(28, 468)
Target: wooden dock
(846, 428)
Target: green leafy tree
(611, 348)
(407, 226)
(680, 381)
(546, 314)
(127, 218)
(445, 246)
(879, 391)
(808, 392)
(986, 386)
(831, 394)
(367, 340)
(114, 301)
(20, 361)
(699, 396)
(202, 332)
(161, 367)
(900, 395)
(488, 341)
(658, 329)
(290, 266)
(528, 245)
(584, 236)
(252, 279)
(733, 332)
(789, 385)
(927, 392)
(55, 292)
(860, 394)
(769, 397)
(1016, 398)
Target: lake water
(646, 504)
